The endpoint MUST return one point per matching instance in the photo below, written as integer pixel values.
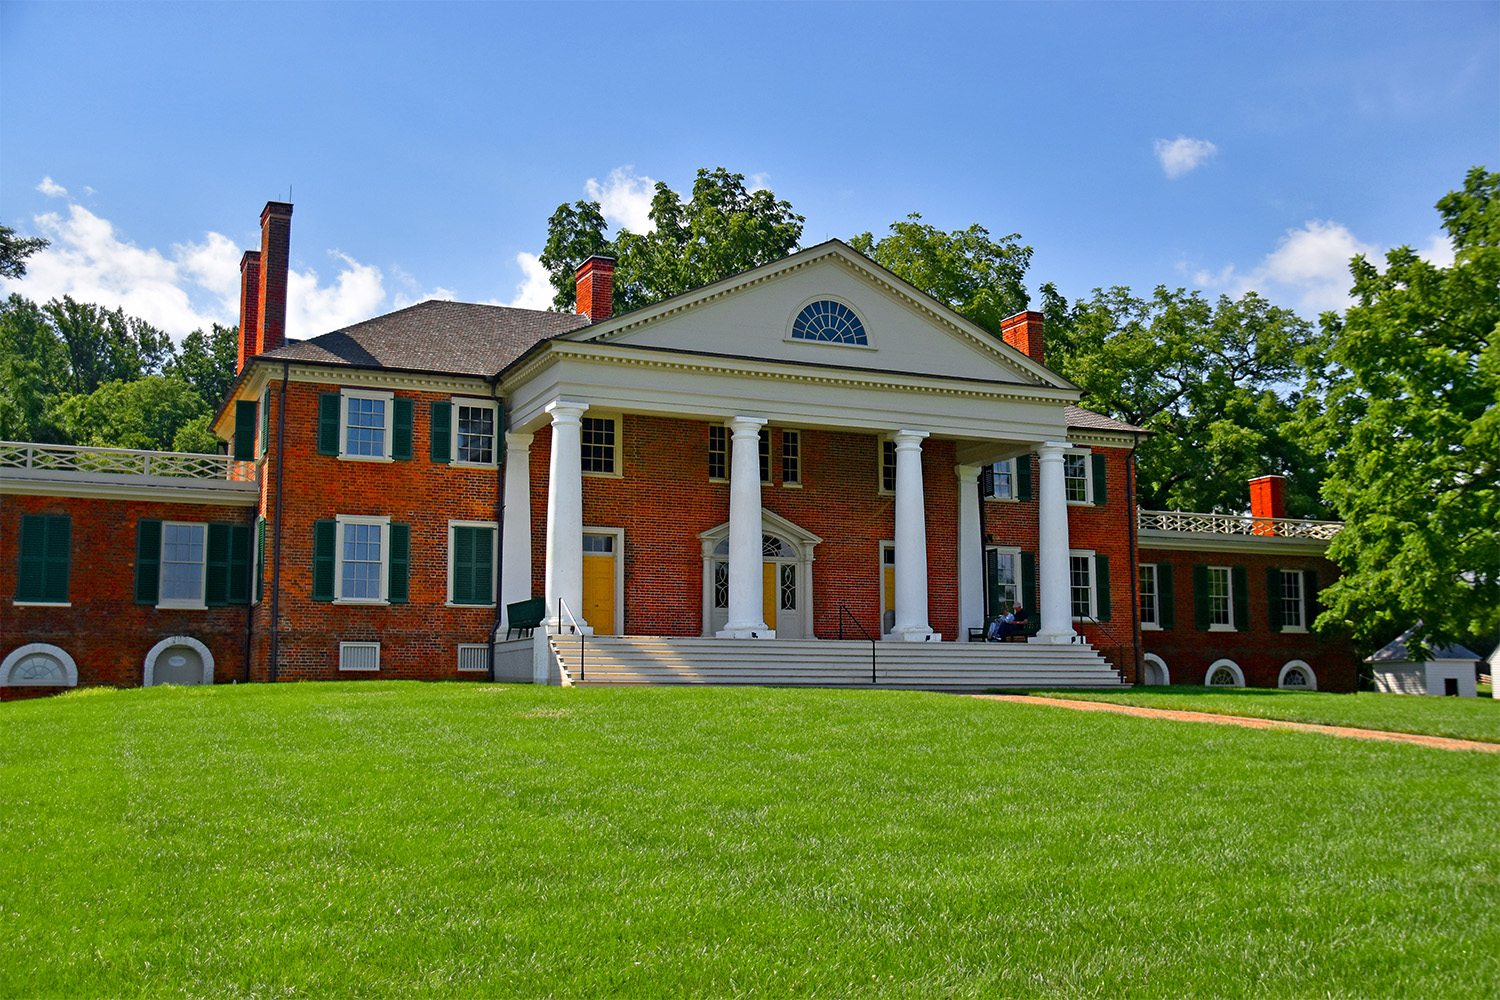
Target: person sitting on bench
(1005, 626)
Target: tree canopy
(14, 250)
(1413, 423)
(723, 230)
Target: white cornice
(1092, 437)
(1196, 541)
(269, 370)
(132, 491)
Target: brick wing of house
(810, 472)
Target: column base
(1054, 638)
(912, 637)
(746, 633)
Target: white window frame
(1228, 598)
(880, 444)
(471, 647)
(1302, 665)
(494, 559)
(1301, 601)
(1151, 626)
(618, 457)
(389, 399)
(1006, 468)
(476, 403)
(1234, 668)
(618, 534)
(385, 559)
(795, 483)
(193, 604)
(1093, 582)
(765, 457)
(343, 646)
(1086, 456)
(1014, 552)
(725, 430)
(1166, 675)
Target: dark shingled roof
(456, 338)
(1077, 416)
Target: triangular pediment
(752, 316)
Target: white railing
(1235, 524)
(69, 461)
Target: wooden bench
(523, 616)
(1026, 630)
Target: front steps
(939, 666)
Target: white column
(515, 557)
(911, 542)
(970, 551)
(1056, 597)
(746, 594)
(565, 513)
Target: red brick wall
(105, 631)
(1260, 653)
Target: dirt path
(1441, 742)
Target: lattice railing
(1236, 524)
(64, 458)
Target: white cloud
(1309, 267)
(356, 294)
(400, 300)
(1182, 155)
(535, 291)
(758, 182)
(1439, 251)
(51, 189)
(624, 198)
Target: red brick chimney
(249, 308)
(275, 251)
(1023, 331)
(1267, 500)
(596, 287)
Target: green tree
(197, 435)
(1413, 420)
(14, 250)
(207, 361)
(34, 371)
(723, 230)
(106, 346)
(146, 413)
(976, 276)
(1215, 383)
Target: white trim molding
(23, 653)
(1306, 671)
(1231, 666)
(148, 673)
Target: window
(718, 452)
(765, 454)
(38, 664)
(791, 458)
(187, 564)
(788, 587)
(1081, 585)
(1002, 591)
(1149, 618)
(829, 322)
(474, 432)
(471, 562)
(1292, 619)
(721, 585)
(1220, 599)
(361, 560)
(888, 467)
(1076, 477)
(365, 424)
(182, 556)
(1224, 673)
(599, 445)
(46, 551)
(1297, 676)
(473, 657)
(359, 656)
(999, 480)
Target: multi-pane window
(1291, 599)
(364, 433)
(765, 454)
(1002, 483)
(1081, 585)
(1003, 594)
(361, 563)
(791, 457)
(830, 322)
(888, 466)
(45, 559)
(599, 444)
(788, 587)
(1076, 478)
(476, 434)
(718, 452)
(1148, 595)
(1220, 597)
(182, 557)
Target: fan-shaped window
(38, 665)
(772, 546)
(830, 322)
(1224, 673)
(1298, 676)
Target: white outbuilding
(1449, 670)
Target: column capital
(518, 440)
(566, 410)
(906, 438)
(1052, 449)
(967, 474)
(743, 423)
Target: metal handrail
(844, 611)
(1118, 645)
(124, 461)
(562, 607)
(1236, 524)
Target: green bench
(523, 616)
(1030, 627)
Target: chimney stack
(1023, 331)
(275, 252)
(1267, 500)
(249, 308)
(596, 287)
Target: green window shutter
(216, 582)
(463, 565)
(330, 412)
(239, 564)
(400, 562)
(245, 421)
(1101, 587)
(1028, 584)
(484, 565)
(442, 429)
(1101, 490)
(325, 539)
(1273, 597)
(59, 558)
(260, 559)
(265, 422)
(987, 481)
(31, 584)
(401, 430)
(147, 560)
(992, 583)
(1023, 481)
(1165, 615)
(1240, 584)
(1200, 597)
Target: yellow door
(768, 592)
(599, 583)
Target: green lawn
(401, 839)
(1461, 718)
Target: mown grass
(400, 839)
(1460, 718)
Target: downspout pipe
(1135, 586)
(275, 649)
(500, 451)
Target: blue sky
(1216, 146)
